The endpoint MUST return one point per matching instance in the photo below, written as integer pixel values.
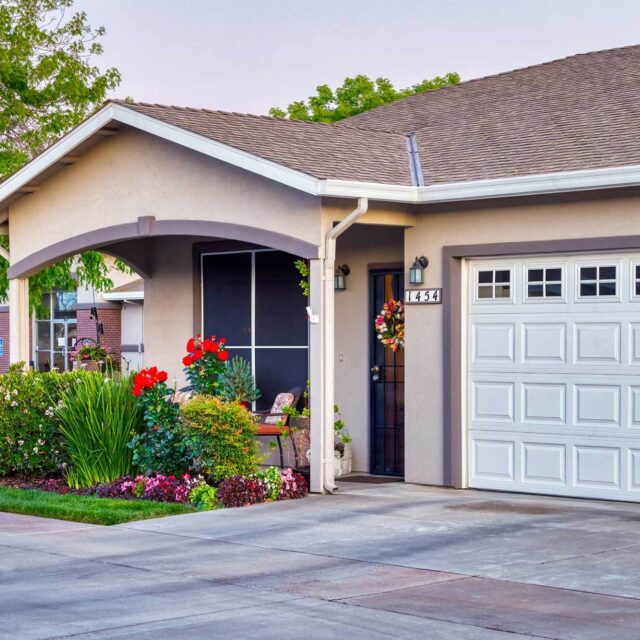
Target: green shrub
(203, 497)
(30, 440)
(98, 416)
(223, 433)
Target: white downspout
(329, 336)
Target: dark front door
(387, 383)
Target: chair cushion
(269, 430)
(282, 401)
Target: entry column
(19, 321)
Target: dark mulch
(55, 485)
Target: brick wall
(4, 334)
(111, 323)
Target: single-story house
(520, 190)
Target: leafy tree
(48, 85)
(354, 96)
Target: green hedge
(30, 440)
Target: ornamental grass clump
(224, 435)
(97, 417)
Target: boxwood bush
(30, 439)
(223, 434)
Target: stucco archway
(148, 227)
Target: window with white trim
(544, 282)
(598, 281)
(493, 284)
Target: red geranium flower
(191, 345)
(197, 354)
(187, 361)
(223, 355)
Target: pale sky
(249, 55)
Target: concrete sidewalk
(375, 562)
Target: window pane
(588, 289)
(72, 333)
(64, 305)
(588, 273)
(278, 371)
(281, 319)
(503, 291)
(638, 288)
(553, 290)
(535, 291)
(637, 272)
(607, 273)
(485, 292)
(59, 361)
(43, 360)
(503, 276)
(554, 275)
(485, 276)
(607, 288)
(44, 335)
(226, 280)
(536, 275)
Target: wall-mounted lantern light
(340, 279)
(416, 273)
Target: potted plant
(343, 458)
(237, 383)
(92, 357)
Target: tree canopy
(48, 85)
(353, 96)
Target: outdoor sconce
(340, 278)
(416, 273)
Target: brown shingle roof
(318, 150)
(582, 112)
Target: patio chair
(274, 423)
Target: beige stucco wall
(134, 174)
(168, 305)
(359, 247)
(589, 217)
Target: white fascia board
(123, 296)
(544, 183)
(561, 182)
(201, 144)
(5, 254)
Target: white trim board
(560, 182)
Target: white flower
(35, 449)
(20, 442)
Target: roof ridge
(465, 83)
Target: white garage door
(553, 398)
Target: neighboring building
(69, 318)
(522, 190)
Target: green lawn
(87, 509)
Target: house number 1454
(423, 296)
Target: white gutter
(124, 296)
(535, 184)
(329, 336)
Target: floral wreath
(389, 325)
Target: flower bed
(114, 437)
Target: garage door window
(494, 284)
(598, 281)
(636, 280)
(544, 282)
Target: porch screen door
(387, 383)
(252, 298)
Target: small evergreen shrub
(223, 435)
(237, 383)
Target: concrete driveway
(375, 562)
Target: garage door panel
(544, 342)
(597, 343)
(596, 405)
(553, 387)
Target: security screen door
(253, 299)
(386, 383)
